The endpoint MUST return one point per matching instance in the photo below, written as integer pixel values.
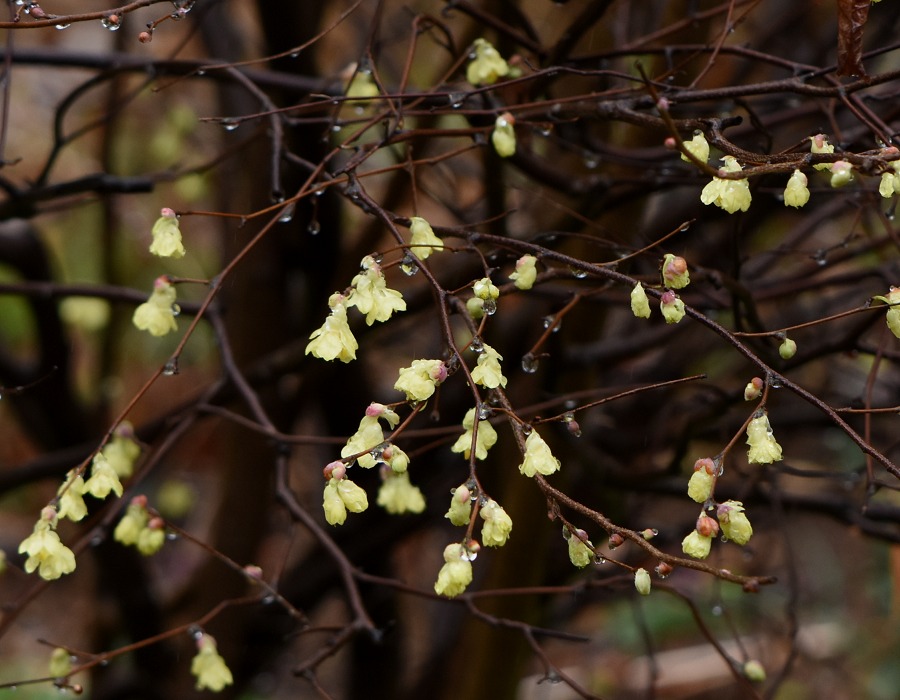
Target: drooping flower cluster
(488, 372)
(487, 65)
(456, 573)
(581, 551)
(698, 543)
(460, 506)
(796, 193)
(423, 241)
(497, 524)
(420, 379)
(166, 235)
(45, 550)
(371, 294)
(730, 195)
(671, 306)
(208, 667)
(734, 522)
(397, 495)
(484, 440)
(103, 479)
(538, 457)
(369, 438)
(342, 495)
(764, 449)
(138, 529)
(702, 480)
(334, 340)
(698, 147)
(157, 314)
(525, 273)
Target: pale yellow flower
(45, 550)
(581, 552)
(103, 479)
(538, 457)
(209, 668)
(526, 273)
(340, 496)
(819, 144)
(796, 193)
(460, 506)
(698, 147)
(419, 380)
(497, 524)
(696, 545)
(730, 195)
(503, 137)
(488, 66)
(71, 502)
(642, 581)
(764, 449)
(334, 340)
(485, 440)
(167, 236)
(367, 437)
(734, 522)
(456, 573)
(423, 241)
(640, 305)
(371, 294)
(397, 495)
(488, 373)
(157, 314)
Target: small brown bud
(145, 37)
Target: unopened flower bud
(696, 545)
(649, 533)
(754, 671)
(675, 272)
(796, 193)
(640, 305)
(702, 480)
(787, 349)
(841, 173)
(734, 523)
(642, 581)
(145, 37)
(663, 569)
(616, 540)
(753, 389)
(671, 306)
(707, 526)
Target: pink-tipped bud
(706, 526)
(616, 540)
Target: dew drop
(287, 214)
(591, 162)
(111, 22)
(821, 257)
(170, 369)
(63, 26)
(408, 265)
(599, 559)
(230, 124)
(489, 307)
(314, 228)
(201, 72)
(268, 600)
(176, 310)
(477, 345)
(171, 536)
(578, 274)
(294, 54)
(484, 412)
(529, 363)
(717, 610)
